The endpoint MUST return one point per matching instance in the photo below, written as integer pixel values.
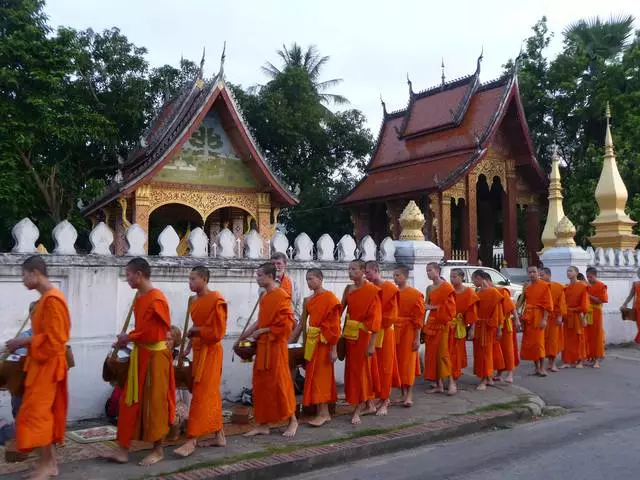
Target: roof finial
(442, 66)
(384, 106)
(410, 85)
(222, 59)
(202, 61)
(479, 60)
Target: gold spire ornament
(411, 223)
(564, 233)
(613, 225)
(555, 212)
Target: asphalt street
(598, 438)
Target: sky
(373, 44)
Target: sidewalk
(432, 418)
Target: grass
(521, 401)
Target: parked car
(498, 279)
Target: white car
(498, 279)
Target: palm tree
(311, 61)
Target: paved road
(598, 439)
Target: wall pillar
(532, 233)
(472, 219)
(445, 225)
(264, 217)
(510, 221)
(142, 210)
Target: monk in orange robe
(466, 315)
(209, 316)
(442, 311)
(594, 332)
(634, 295)
(505, 349)
(553, 334)
(486, 328)
(409, 323)
(385, 357)
(574, 322)
(273, 396)
(42, 417)
(538, 307)
(362, 300)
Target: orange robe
(489, 317)
(209, 314)
(553, 334)
(636, 307)
(577, 303)
(537, 300)
(273, 395)
(594, 332)
(466, 314)
(320, 381)
(286, 285)
(385, 358)
(150, 417)
(507, 359)
(364, 306)
(43, 414)
(437, 362)
(411, 310)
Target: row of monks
(384, 325)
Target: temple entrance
(490, 219)
(181, 217)
(236, 219)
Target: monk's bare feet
(355, 420)
(370, 410)
(408, 403)
(44, 472)
(382, 410)
(509, 378)
(292, 428)
(438, 388)
(579, 365)
(553, 369)
(596, 364)
(542, 373)
(482, 387)
(187, 449)
(319, 420)
(491, 383)
(119, 456)
(156, 455)
(452, 390)
(260, 430)
(219, 440)
(566, 365)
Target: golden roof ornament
(564, 232)
(42, 250)
(555, 212)
(613, 225)
(411, 223)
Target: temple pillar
(394, 210)
(121, 226)
(214, 231)
(264, 216)
(510, 221)
(464, 226)
(532, 233)
(471, 220)
(142, 210)
(361, 223)
(445, 225)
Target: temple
(197, 165)
(462, 151)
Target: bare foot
(453, 389)
(482, 387)
(542, 373)
(382, 410)
(355, 420)
(435, 390)
(554, 369)
(371, 409)
(219, 440)
(187, 449)
(292, 428)
(154, 457)
(566, 365)
(257, 431)
(319, 420)
(408, 403)
(579, 365)
(491, 383)
(119, 456)
(43, 471)
(596, 364)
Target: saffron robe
(537, 301)
(385, 360)
(574, 341)
(149, 418)
(466, 315)
(286, 285)
(209, 314)
(636, 307)
(320, 383)
(509, 340)
(364, 306)
(273, 395)
(594, 331)
(553, 334)
(43, 414)
(411, 310)
(437, 362)
(489, 317)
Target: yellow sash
(133, 389)
(508, 324)
(313, 335)
(589, 314)
(352, 329)
(380, 337)
(461, 328)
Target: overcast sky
(372, 44)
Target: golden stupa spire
(556, 212)
(613, 225)
(411, 221)
(565, 231)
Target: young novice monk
(411, 310)
(147, 407)
(577, 297)
(322, 309)
(209, 316)
(273, 396)
(535, 317)
(634, 295)
(594, 332)
(43, 413)
(466, 315)
(553, 336)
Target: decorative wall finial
(555, 212)
(411, 221)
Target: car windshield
(497, 278)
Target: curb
(307, 459)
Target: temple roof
(176, 120)
(440, 136)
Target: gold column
(445, 224)
(555, 212)
(142, 207)
(264, 216)
(613, 226)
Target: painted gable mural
(208, 158)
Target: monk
(539, 305)
(594, 332)
(385, 357)
(466, 315)
(209, 316)
(322, 310)
(273, 396)
(442, 310)
(362, 301)
(634, 295)
(409, 323)
(507, 354)
(574, 322)
(486, 328)
(553, 335)
(42, 416)
(283, 280)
